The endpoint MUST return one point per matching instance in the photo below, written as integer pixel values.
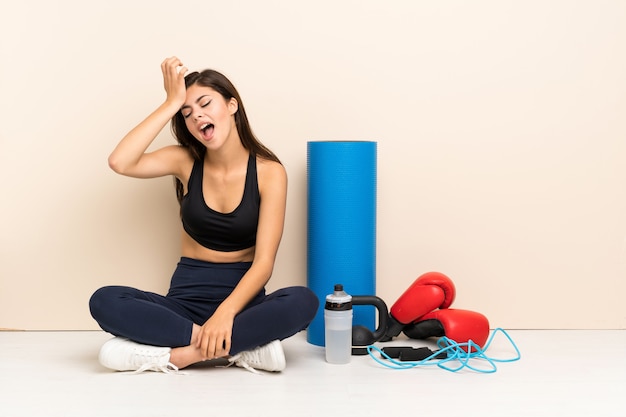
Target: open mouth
(207, 130)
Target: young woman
(232, 195)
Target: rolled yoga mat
(341, 226)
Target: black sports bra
(225, 232)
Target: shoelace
(168, 368)
(151, 362)
(241, 362)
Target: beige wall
(500, 129)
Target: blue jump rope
(460, 354)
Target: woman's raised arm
(129, 157)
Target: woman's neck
(227, 156)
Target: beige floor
(561, 373)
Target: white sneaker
(270, 357)
(121, 354)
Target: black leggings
(197, 288)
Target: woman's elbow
(115, 164)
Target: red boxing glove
(458, 325)
(430, 291)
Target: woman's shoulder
(270, 172)
(269, 167)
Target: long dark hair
(221, 84)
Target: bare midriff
(192, 249)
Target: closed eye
(203, 101)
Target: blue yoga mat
(341, 226)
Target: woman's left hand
(215, 335)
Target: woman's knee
(312, 301)
(103, 300)
(302, 300)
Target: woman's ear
(233, 106)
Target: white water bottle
(338, 326)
